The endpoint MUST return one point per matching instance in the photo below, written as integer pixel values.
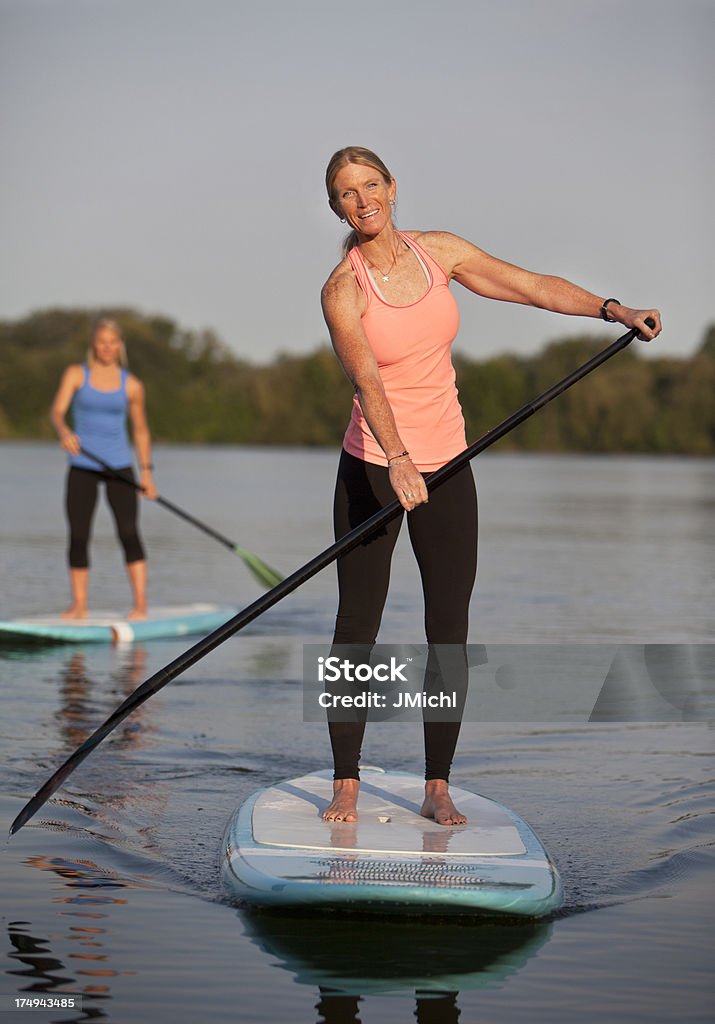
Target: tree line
(200, 391)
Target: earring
(342, 220)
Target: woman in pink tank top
(392, 320)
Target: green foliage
(199, 391)
(708, 346)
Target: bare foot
(136, 613)
(74, 613)
(438, 804)
(344, 803)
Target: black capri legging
(443, 534)
(80, 503)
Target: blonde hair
(340, 159)
(105, 323)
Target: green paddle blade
(263, 573)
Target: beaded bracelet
(400, 456)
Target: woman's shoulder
(342, 296)
(440, 241)
(132, 384)
(443, 246)
(74, 374)
(340, 282)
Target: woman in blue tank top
(101, 395)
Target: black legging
(443, 534)
(80, 503)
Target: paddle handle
(116, 475)
(196, 522)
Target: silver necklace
(385, 276)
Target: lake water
(113, 889)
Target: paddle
(266, 601)
(263, 573)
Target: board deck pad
(289, 814)
(114, 627)
(278, 852)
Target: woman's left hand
(637, 318)
(148, 486)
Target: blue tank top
(99, 419)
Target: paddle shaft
(116, 475)
(300, 576)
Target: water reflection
(80, 686)
(347, 959)
(86, 683)
(431, 1008)
(46, 974)
(92, 679)
(84, 924)
(344, 836)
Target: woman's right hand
(70, 442)
(408, 484)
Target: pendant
(385, 278)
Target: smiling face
(107, 346)
(362, 196)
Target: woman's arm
(141, 435)
(341, 303)
(495, 279)
(71, 381)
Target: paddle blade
(40, 797)
(54, 783)
(264, 574)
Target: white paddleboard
(114, 627)
(279, 852)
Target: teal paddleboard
(113, 627)
(278, 852)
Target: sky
(169, 155)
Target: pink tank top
(412, 345)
